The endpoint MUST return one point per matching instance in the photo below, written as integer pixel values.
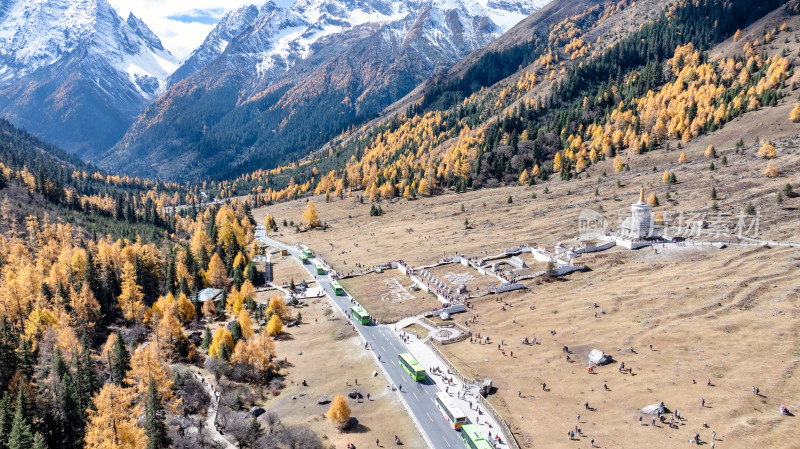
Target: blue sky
(182, 24)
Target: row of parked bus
(470, 433)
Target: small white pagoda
(640, 225)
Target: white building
(640, 225)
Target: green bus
(412, 367)
(320, 268)
(474, 438)
(307, 252)
(337, 288)
(303, 258)
(360, 315)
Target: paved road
(418, 395)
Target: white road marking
(415, 395)
(445, 440)
(429, 417)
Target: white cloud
(182, 36)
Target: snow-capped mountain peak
(35, 34)
(142, 30)
(75, 73)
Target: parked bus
(473, 437)
(307, 252)
(337, 288)
(412, 367)
(359, 314)
(320, 268)
(450, 410)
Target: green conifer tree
(26, 357)
(120, 361)
(155, 424)
(8, 355)
(39, 441)
(236, 331)
(6, 418)
(206, 339)
(20, 436)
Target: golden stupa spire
(641, 194)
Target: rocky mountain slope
(294, 77)
(73, 72)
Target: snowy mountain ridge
(73, 72)
(38, 33)
(283, 36)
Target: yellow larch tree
(682, 157)
(423, 188)
(200, 242)
(618, 166)
(254, 352)
(339, 411)
(767, 151)
(278, 306)
(580, 164)
(524, 178)
(146, 363)
(217, 275)
(130, 300)
(85, 307)
(269, 222)
(274, 326)
(37, 322)
(771, 171)
(248, 291)
(112, 420)
(310, 216)
(222, 337)
(208, 309)
(665, 176)
(186, 310)
(245, 323)
(795, 114)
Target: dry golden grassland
(725, 315)
(287, 268)
(332, 352)
(387, 296)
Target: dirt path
(211, 416)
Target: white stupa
(640, 224)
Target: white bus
(450, 410)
